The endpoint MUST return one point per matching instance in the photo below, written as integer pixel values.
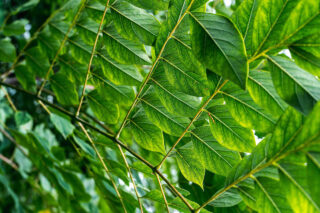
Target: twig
(162, 192)
(131, 177)
(9, 99)
(91, 58)
(9, 162)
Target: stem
(152, 69)
(174, 190)
(131, 177)
(91, 58)
(9, 162)
(193, 120)
(9, 99)
(162, 192)
(60, 48)
(103, 164)
(5, 21)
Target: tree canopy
(160, 106)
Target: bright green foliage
(160, 105)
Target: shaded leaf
(296, 86)
(219, 45)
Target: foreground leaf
(213, 156)
(104, 109)
(219, 45)
(228, 132)
(190, 166)
(146, 134)
(63, 125)
(296, 86)
(64, 89)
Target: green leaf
(293, 177)
(117, 94)
(62, 182)
(64, 89)
(176, 8)
(246, 112)
(219, 45)
(84, 146)
(286, 127)
(8, 51)
(134, 23)
(296, 86)
(184, 72)
(103, 108)
(74, 70)
(227, 199)
(264, 94)
(37, 61)
(48, 44)
(5, 181)
(313, 170)
(62, 125)
(212, 155)
(190, 165)
(306, 53)
(15, 28)
(25, 77)
(122, 50)
(174, 101)
(228, 132)
(151, 4)
(120, 74)
(146, 134)
(23, 121)
(310, 132)
(243, 18)
(266, 196)
(26, 6)
(79, 50)
(169, 123)
(289, 136)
